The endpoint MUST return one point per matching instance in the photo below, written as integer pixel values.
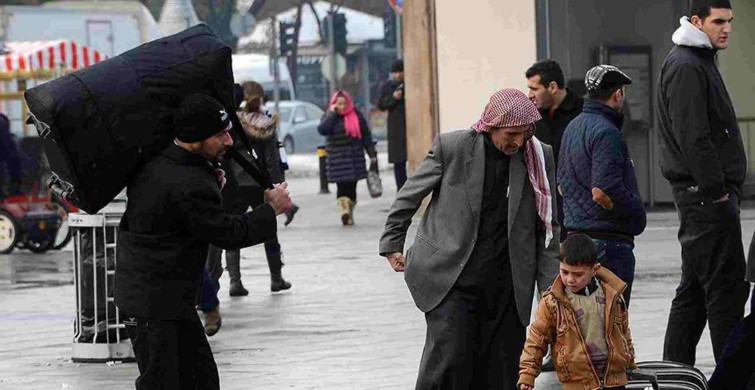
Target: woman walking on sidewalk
(347, 139)
(245, 192)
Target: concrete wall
(482, 46)
(737, 65)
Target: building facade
(458, 53)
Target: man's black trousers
(471, 345)
(712, 288)
(172, 354)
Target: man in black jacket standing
(174, 213)
(392, 100)
(558, 106)
(704, 160)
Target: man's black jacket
(396, 120)
(550, 129)
(700, 141)
(174, 212)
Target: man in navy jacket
(596, 175)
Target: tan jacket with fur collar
(556, 324)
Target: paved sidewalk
(348, 322)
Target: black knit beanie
(397, 66)
(200, 117)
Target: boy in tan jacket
(584, 319)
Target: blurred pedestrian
(392, 100)
(347, 138)
(557, 105)
(596, 175)
(174, 212)
(703, 158)
(486, 239)
(242, 192)
(261, 131)
(10, 162)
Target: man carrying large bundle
(174, 213)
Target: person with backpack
(174, 213)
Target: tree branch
(319, 22)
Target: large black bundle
(102, 123)
(665, 375)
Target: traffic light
(339, 32)
(286, 38)
(389, 29)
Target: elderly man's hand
(397, 261)
(279, 198)
(601, 198)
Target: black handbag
(374, 184)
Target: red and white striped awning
(47, 55)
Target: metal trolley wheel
(8, 232)
(64, 235)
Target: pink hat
(507, 108)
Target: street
(347, 323)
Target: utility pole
(274, 61)
(399, 42)
(332, 49)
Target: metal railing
(99, 334)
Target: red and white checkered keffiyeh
(510, 108)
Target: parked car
(298, 128)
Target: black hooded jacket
(701, 145)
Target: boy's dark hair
(578, 249)
(701, 8)
(548, 70)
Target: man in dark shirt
(174, 213)
(558, 107)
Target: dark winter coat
(266, 145)
(594, 154)
(345, 162)
(396, 121)
(700, 140)
(174, 213)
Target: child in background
(571, 318)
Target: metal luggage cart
(99, 333)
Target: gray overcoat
(453, 171)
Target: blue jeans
(208, 299)
(618, 257)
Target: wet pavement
(347, 323)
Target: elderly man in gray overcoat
(486, 238)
